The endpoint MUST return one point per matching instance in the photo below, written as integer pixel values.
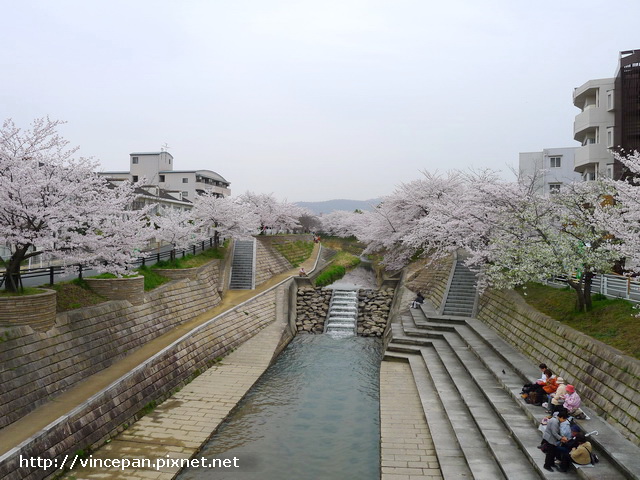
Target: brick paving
(179, 426)
(407, 451)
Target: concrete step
(242, 273)
(463, 432)
(451, 458)
(475, 424)
(619, 457)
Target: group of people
(561, 440)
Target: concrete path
(407, 451)
(37, 420)
(178, 427)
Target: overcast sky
(309, 100)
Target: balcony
(590, 118)
(596, 153)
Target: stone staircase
(469, 381)
(461, 296)
(242, 267)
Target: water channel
(313, 415)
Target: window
(554, 188)
(135, 178)
(134, 160)
(185, 194)
(185, 180)
(610, 100)
(555, 162)
(609, 137)
(609, 171)
(162, 178)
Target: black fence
(151, 257)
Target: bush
(330, 275)
(152, 279)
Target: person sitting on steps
(553, 443)
(418, 301)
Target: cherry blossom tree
(514, 235)
(272, 214)
(340, 223)
(626, 226)
(385, 227)
(53, 205)
(228, 217)
(176, 227)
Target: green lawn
(611, 321)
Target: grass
(342, 262)
(75, 294)
(24, 292)
(152, 279)
(295, 252)
(350, 244)
(612, 321)
(192, 261)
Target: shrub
(330, 275)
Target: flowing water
(313, 415)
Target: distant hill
(329, 206)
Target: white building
(552, 168)
(594, 128)
(157, 169)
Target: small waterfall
(342, 320)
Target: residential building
(551, 169)
(157, 170)
(626, 102)
(593, 128)
(609, 119)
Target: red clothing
(551, 386)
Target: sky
(309, 100)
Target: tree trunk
(216, 238)
(583, 292)
(12, 281)
(588, 279)
(578, 287)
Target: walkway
(30, 424)
(407, 450)
(178, 427)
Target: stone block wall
(312, 307)
(36, 366)
(130, 289)
(102, 416)
(373, 311)
(37, 311)
(430, 278)
(269, 261)
(606, 379)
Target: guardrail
(53, 271)
(613, 286)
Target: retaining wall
(37, 311)
(103, 415)
(269, 261)
(430, 277)
(606, 379)
(35, 366)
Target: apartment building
(157, 168)
(609, 119)
(551, 169)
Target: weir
(342, 319)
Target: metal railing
(613, 286)
(151, 258)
